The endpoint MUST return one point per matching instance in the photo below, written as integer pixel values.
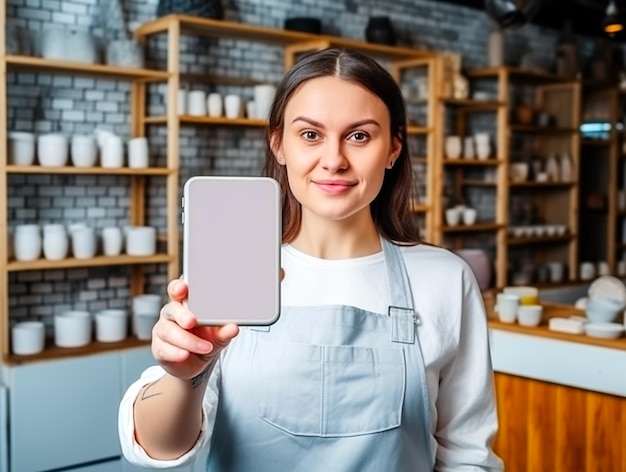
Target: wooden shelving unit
(556, 202)
(138, 78)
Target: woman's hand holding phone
(179, 344)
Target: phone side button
(182, 217)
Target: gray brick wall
(43, 103)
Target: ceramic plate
(608, 286)
(604, 330)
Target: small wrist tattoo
(201, 377)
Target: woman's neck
(345, 239)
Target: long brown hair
(390, 209)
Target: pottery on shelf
(379, 30)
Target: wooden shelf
(540, 239)
(546, 185)
(50, 66)
(149, 171)
(208, 120)
(54, 352)
(477, 227)
(490, 162)
(191, 25)
(478, 183)
(535, 76)
(473, 105)
(417, 130)
(98, 261)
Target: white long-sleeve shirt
(453, 338)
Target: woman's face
(336, 145)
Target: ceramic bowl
(604, 330)
(28, 337)
(602, 310)
(529, 315)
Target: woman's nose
(333, 156)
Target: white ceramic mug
(469, 216)
(453, 147)
(21, 148)
(138, 153)
(112, 152)
(28, 337)
(83, 243)
(112, 241)
(453, 216)
(196, 103)
(140, 240)
(507, 305)
(83, 150)
(263, 98)
(52, 149)
(215, 105)
(232, 106)
(27, 242)
(111, 325)
(73, 328)
(587, 270)
(55, 242)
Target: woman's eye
(310, 135)
(359, 136)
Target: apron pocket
(329, 391)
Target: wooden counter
(553, 425)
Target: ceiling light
(612, 23)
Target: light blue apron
(327, 388)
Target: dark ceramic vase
(380, 31)
(205, 8)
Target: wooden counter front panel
(552, 428)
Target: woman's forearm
(168, 415)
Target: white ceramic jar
(83, 243)
(196, 103)
(112, 152)
(111, 325)
(55, 242)
(232, 106)
(140, 240)
(215, 105)
(263, 97)
(73, 328)
(52, 149)
(27, 242)
(21, 148)
(83, 150)
(112, 241)
(28, 338)
(138, 153)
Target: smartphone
(231, 249)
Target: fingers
(177, 290)
(282, 274)
(179, 314)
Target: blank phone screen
(231, 253)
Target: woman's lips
(334, 186)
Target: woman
(379, 360)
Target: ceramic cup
(587, 270)
(112, 241)
(232, 106)
(140, 240)
(72, 328)
(469, 216)
(55, 242)
(529, 315)
(507, 305)
(138, 153)
(263, 97)
(453, 147)
(196, 103)
(21, 148)
(215, 105)
(83, 243)
(111, 325)
(52, 149)
(112, 152)
(453, 216)
(27, 242)
(28, 337)
(83, 150)
(557, 270)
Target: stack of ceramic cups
(146, 309)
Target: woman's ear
(394, 152)
(277, 149)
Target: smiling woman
(379, 359)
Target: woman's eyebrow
(352, 125)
